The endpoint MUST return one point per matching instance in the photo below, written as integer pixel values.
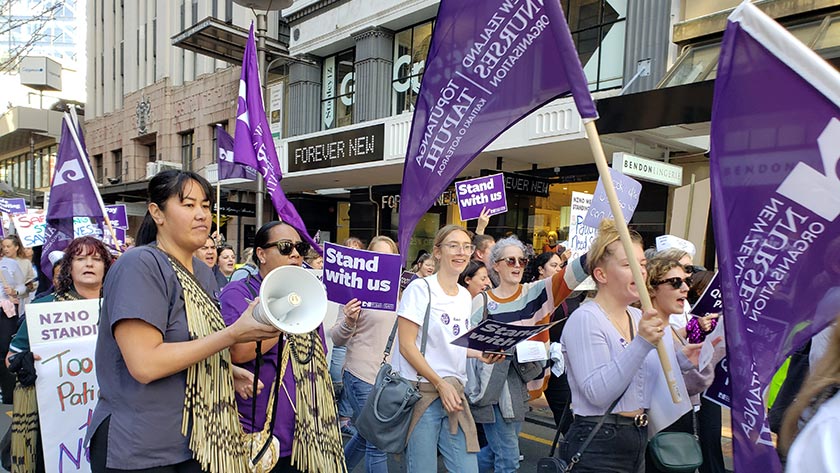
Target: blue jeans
(376, 461)
(432, 434)
(501, 454)
(336, 370)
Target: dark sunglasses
(693, 269)
(676, 283)
(285, 247)
(511, 261)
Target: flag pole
(84, 160)
(218, 186)
(624, 234)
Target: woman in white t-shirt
(442, 371)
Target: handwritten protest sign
(494, 336)
(84, 226)
(581, 236)
(12, 206)
(117, 215)
(628, 191)
(31, 226)
(479, 193)
(63, 334)
(371, 277)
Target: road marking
(534, 438)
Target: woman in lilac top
(609, 350)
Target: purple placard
(405, 279)
(13, 206)
(120, 234)
(479, 193)
(117, 215)
(720, 392)
(371, 277)
(491, 335)
(711, 301)
(628, 191)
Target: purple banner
(490, 64)
(628, 191)
(13, 206)
(711, 301)
(371, 277)
(117, 215)
(474, 195)
(254, 145)
(776, 227)
(490, 335)
(72, 193)
(228, 167)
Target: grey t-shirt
(145, 426)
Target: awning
(214, 38)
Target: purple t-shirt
(234, 300)
(145, 427)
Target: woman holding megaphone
(166, 398)
(311, 434)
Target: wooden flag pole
(624, 234)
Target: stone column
(373, 73)
(304, 97)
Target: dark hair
(16, 240)
(223, 247)
(162, 187)
(419, 259)
(532, 271)
(469, 272)
(700, 279)
(82, 246)
(261, 238)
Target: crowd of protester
(182, 365)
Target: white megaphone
(292, 300)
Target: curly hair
(658, 267)
(82, 246)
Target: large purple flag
(774, 170)
(73, 193)
(490, 64)
(254, 145)
(228, 167)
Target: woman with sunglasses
(669, 284)
(441, 420)
(609, 350)
(278, 244)
(166, 398)
(499, 394)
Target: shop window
(411, 46)
(337, 89)
(597, 28)
(187, 150)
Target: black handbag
(676, 452)
(386, 415)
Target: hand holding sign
(351, 312)
(480, 196)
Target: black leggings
(99, 455)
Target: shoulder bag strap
(426, 321)
(484, 312)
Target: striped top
(531, 304)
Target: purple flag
(72, 193)
(254, 145)
(228, 167)
(490, 64)
(776, 201)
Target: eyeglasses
(676, 283)
(511, 261)
(285, 247)
(453, 247)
